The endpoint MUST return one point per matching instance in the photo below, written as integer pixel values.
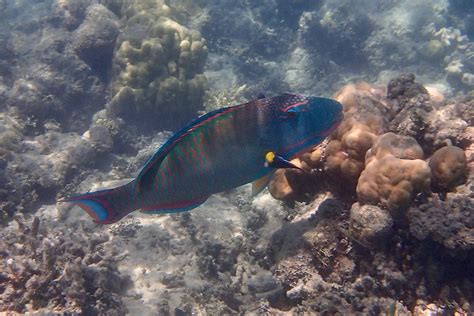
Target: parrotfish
(219, 151)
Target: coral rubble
(52, 271)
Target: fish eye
(288, 115)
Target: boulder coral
(364, 111)
(448, 167)
(346, 152)
(158, 67)
(393, 174)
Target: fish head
(305, 122)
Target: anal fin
(176, 207)
(260, 184)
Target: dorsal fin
(147, 174)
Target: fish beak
(283, 163)
(274, 161)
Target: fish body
(218, 151)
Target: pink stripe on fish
(295, 105)
(170, 206)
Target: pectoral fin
(260, 184)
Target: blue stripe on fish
(97, 205)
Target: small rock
(370, 224)
(262, 282)
(94, 40)
(100, 137)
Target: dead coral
(448, 222)
(61, 271)
(450, 125)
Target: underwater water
(369, 209)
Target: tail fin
(105, 206)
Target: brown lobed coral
(448, 167)
(394, 173)
(364, 112)
(388, 169)
(344, 154)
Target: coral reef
(387, 47)
(159, 76)
(458, 53)
(404, 108)
(359, 231)
(45, 164)
(394, 204)
(324, 26)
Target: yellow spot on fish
(269, 157)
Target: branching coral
(158, 65)
(458, 52)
